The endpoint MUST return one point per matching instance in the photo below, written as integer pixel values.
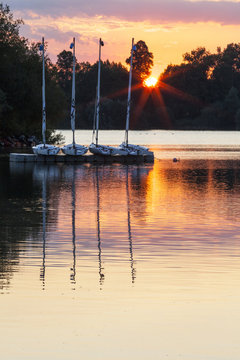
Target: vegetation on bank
(200, 93)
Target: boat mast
(94, 118)
(129, 95)
(98, 90)
(72, 46)
(43, 96)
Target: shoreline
(18, 142)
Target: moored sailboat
(131, 149)
(44, 149)
(95, 148)
(73, 149)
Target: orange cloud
(168, 34)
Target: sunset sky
(169, 27)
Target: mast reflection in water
(44, 210)
(73, 269)
(133, 270)
(101, 275)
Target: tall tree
(9, 28)
(20, 79)
(226, 73)
(64, 67)
(142, 60)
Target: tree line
(203, 91)
(200, 93)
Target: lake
(124, 261)
(159, 137)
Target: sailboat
(73, 149)
(130, 148)
(95, 148)
(44, 149)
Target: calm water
(160, 137)
(122, 262)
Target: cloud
(53, 32)
(224, 12)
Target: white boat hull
(74, 149)
(134, 149)
(46, 149)
(106, 150)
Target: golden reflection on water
(141, 260)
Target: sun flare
(151, 81)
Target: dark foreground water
(120, 262)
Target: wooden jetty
(108, 159)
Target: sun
(151, 81)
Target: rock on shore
(21, 141)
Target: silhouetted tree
(20, 81)
(202, 95)
(64, 67)
(142, 60)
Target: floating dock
(108, 159)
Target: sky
(169, 27)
